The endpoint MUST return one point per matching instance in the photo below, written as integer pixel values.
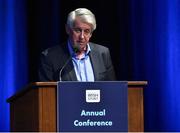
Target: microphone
(76, 49)
(60, 72)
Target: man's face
(80, 34)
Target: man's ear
(67, 29)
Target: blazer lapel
(94, 59)
(68, 72)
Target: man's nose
(82, 34)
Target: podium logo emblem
(92, 96)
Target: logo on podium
(92, 96)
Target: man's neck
(80, 54)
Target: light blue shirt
(83, 67)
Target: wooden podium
(34, 108)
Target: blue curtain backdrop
(155, 29)
(13, 54)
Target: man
(77, 59)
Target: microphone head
(76, 48)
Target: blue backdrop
(13, 53)
(154, 29)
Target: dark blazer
(53, 59)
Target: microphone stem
(60, 72)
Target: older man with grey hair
(77, 59)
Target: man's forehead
(78, 22)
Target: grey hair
(85, 15)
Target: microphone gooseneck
(61, 70)
(76, 49)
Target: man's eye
(87, 31)
(77, 30)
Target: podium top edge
(53, 84)
(137, 83)
(130, 83)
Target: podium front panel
(92, 106)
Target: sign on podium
(92, 106)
